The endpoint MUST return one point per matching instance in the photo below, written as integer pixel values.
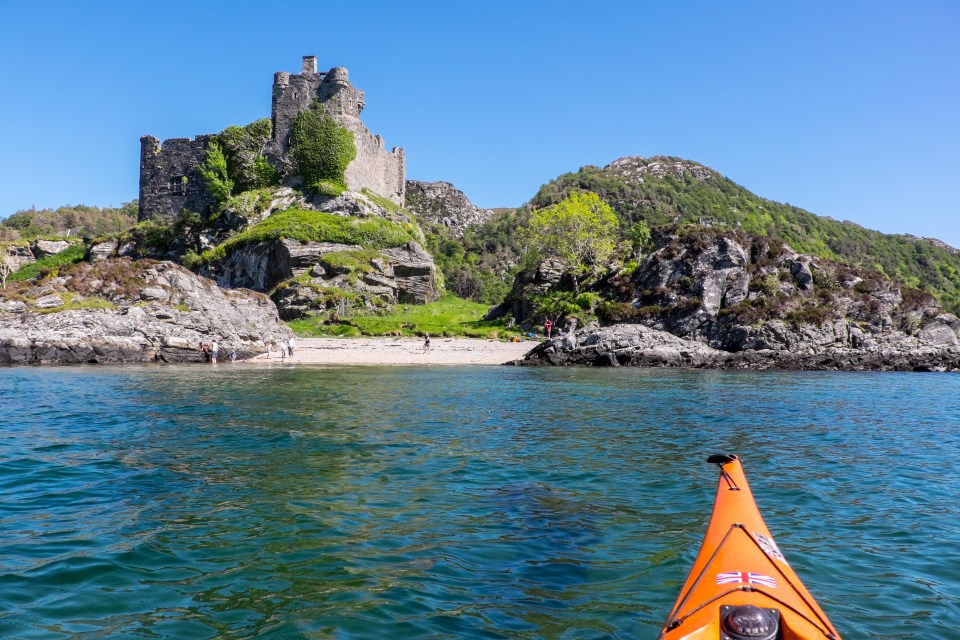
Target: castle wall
(164, 193)
(374, 168)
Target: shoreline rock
(641, 346)
(155, 312)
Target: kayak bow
(740, 586)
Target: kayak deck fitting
(740, 586)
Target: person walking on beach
(290, 346)
(426, 343)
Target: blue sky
(847, 109)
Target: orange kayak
(740, 586)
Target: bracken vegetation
(480, 266)
(449, 316)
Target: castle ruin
(170, 179)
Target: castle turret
(374, 168)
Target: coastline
(399, 351)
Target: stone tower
(170, 180)
(374, 168)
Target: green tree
(581, 231)
(639, 235)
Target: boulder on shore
(119, 310)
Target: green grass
(72, 255)
(72, 301)
(449, 316)
(315, 226)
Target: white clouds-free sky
(845, 109)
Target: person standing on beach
(548, 327)
(426, 343)
(290, 346)
(214, 349)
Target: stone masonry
(170, 180)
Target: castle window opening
(178, 185)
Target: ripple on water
(468, 503)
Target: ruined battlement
(170, 181)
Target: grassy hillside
(666, 191)
(449, 316)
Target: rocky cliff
(442, 203)
(120, 310)
(721, 298)
(314, 271)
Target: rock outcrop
(753, 302)
(442, 203)
(21, 253)
(316, 276)
(636, 167)
(308, 277)
(519, 302)
(641, 346)
(123, 311)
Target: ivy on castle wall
(213, 169)
(234, 162)
(242, 146)
(321, 150)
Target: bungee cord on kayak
(755, 594)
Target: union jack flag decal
(746, 577)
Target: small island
(305, 224)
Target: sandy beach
(380, 351)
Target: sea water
(451, 502)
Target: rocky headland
(724, 299)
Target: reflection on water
(458, 502)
